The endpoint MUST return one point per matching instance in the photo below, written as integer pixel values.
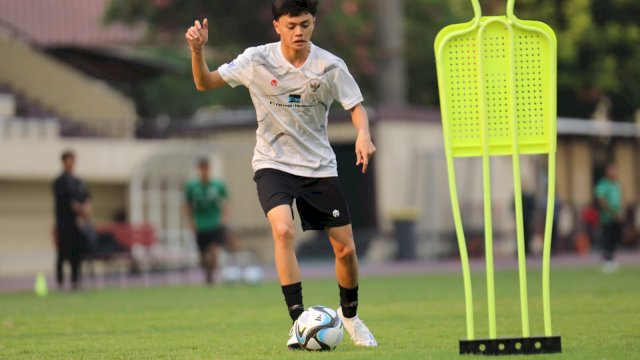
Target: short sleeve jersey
(609, 191)
(292, 105)
(66, 190)
(206, 201)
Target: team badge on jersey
(314, 85)
(274, 83)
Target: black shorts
(205, 238)
(320, 201)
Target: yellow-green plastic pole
(455, 206)
(517, 181)
(462, 245)
(551, 197)
(546, 258)
(486, 185)
(551, 179)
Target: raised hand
(198, 35)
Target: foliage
(598, 51)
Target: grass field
(413, 317)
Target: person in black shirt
(72, 209)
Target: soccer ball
(253, 274)
(232, 274)
(319, 329)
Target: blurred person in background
(292, 84)
(72, 211)
(207, 209)
(609, 198)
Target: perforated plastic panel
(477, 86)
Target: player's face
(204, 171)
(612, 172)
(295, 32)
(68, 163)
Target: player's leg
(75, 258)
(211, 261)
(60, 258)
(323, 206)
(283, 231)
(65, 253)
(60, 270)
(611, 234)
(229, 239)
(275, 192)
(344, 248)
(203, 241)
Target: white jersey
(292, 105)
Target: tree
(347, 30)
(598, 55)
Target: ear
(275, 26)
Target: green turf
(414, 317)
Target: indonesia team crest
(314, 85)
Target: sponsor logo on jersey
(295, 99)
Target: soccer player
(609, 198)
(72, 208)
(207, 211)
(292, 85)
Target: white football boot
(358, 331)
(292, 343)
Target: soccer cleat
(358, 331)
(293, 343)
(610, 266)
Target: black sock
(349, 301)
(293, 297)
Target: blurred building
(59, 60)
(56, 75)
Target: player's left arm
(364, 145)
(226, 204)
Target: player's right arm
(188, 208)
(197, 36)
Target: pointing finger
(205, 23)
(197, 22)
(365, 163)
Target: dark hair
(293, 7)
(67, 154)
(203, 161)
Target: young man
(609, 198)
(72, 208)
(292, 84)
(207, 212)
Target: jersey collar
(290, 65)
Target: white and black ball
(319, 328)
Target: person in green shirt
(609, 198)
(207, 208)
